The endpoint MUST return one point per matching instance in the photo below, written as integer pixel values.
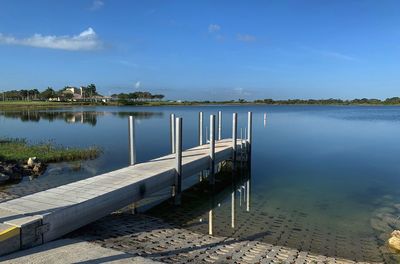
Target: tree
(68, 96)
(48, 93)
(91, 90)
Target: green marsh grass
(20, 150)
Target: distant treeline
(365, 101)
(137, 96)
(46, 94)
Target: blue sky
(217, 50)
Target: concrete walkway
(72, 251)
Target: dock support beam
(132, 148)
(178, 160)
(219, 125)
(212, 149)
(172, 132)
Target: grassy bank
(19, 150)
(42, 104)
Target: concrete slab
(72, 251)
(9, 238)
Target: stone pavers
(150, 237)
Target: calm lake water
(323, 179)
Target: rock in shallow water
(394, 240)
(31, 161)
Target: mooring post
(249, 133)
(200, 128)
(178, 160)
(234, 137)
(132, 149)
(172, 132)
(201, 139)
(212, 149)
(219, 125)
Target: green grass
(20, 150)
(15, 105)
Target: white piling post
(200, 128)
(249, 131)
(132, 148)
(178, 160)
(234, 136)
(201, 138)
(172, 132)
(212, 149)
(219, 125)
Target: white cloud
(86, 40)
(246, 38)
(97, 4)
(137, 85)
(212, 28)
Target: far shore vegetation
(89, 96)
(19, 150)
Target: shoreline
(54, 105)
(19, 158)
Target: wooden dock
(44, 216)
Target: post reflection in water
(210, 212)
(219, 204)
(233, 208)
(210, 222)
(265, 119)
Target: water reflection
(228, 210)
(205, 201)
(80, 117)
